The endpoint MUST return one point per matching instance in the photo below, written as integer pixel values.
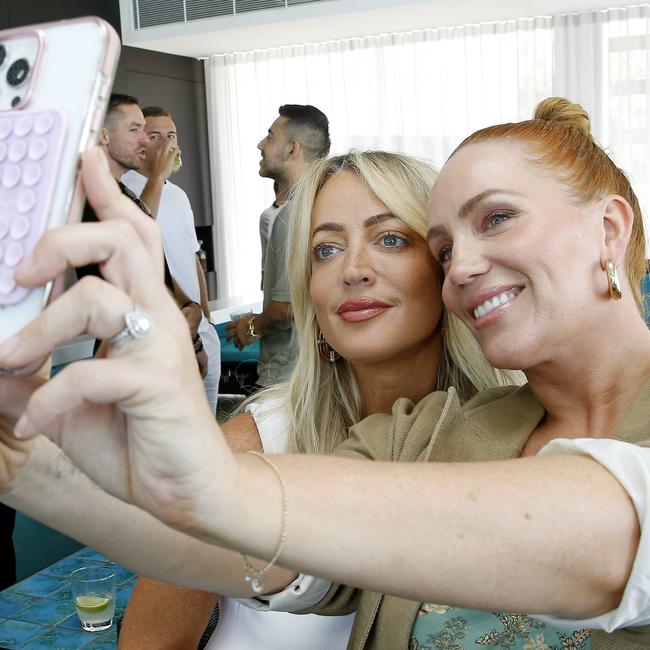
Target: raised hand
(136, 421)
(164, 159)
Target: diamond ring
(137, 324)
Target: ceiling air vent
(149, 13)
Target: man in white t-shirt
(172, 210)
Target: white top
(176, 221)
(630, 465)
(255, 623)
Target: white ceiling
(328, 20)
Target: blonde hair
(323, 398)
(560, 142)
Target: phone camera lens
(14, 101)
(3, 53)
(18, 72)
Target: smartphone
(55, 83)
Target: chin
(508, 356)
(367, 356)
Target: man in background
(298, 136)
(172, 210)
(125, 142)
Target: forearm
(203, 289)
(496, 536)
(181, 616)
(191, 310)
(152, 192)
(50, 489)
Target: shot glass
(93, 590)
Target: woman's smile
(488, 306)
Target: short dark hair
(155, 111)
(309, 126)
(117, 99)
(115, 102)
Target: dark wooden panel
(177, 67)
(4, 14)
(22, 12)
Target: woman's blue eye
(324, 251)
(391, 240)
(495, 219)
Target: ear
(103, 138)
(294, 150)
(618, 217)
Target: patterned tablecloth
(39, 613)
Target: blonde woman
(366, 301)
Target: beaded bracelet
(255, 576)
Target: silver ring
(137, 324)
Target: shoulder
(272, 419)
(177, 192)
(280, 225)
(497, 397)
(504, 409)
(241, 434)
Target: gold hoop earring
(612, 280)
(326, 352)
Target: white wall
(331, 20)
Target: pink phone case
(55, 82)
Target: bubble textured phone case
(55, 81)
(30, 145)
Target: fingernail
(9, 347)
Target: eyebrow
(470, 205)
(369, 222)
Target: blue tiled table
(38, 612)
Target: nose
(358, 268)
(260, 145)
(467, 263)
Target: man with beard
(125, 142)
(298, 136)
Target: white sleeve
(630, 465)
(272, 423)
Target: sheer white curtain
(420, 93)
(602, 61)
